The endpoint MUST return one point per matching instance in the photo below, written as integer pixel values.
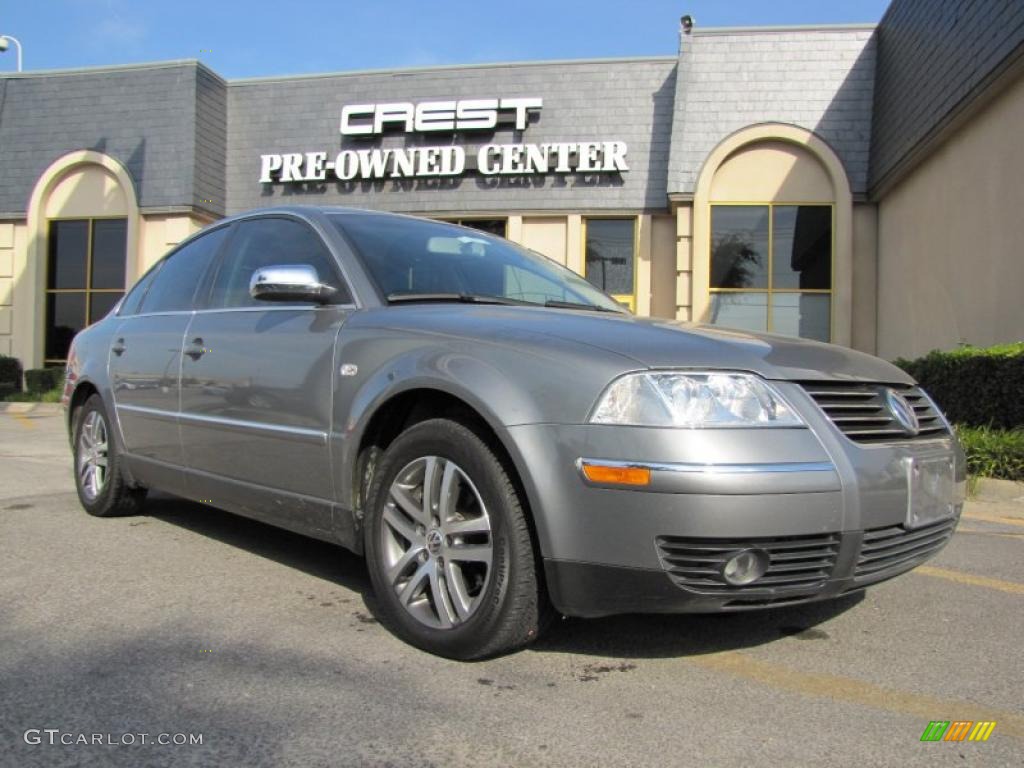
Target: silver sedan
(501, 440)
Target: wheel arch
(419, 401)
(84, 389)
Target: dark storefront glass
(109, 240)
(65, 316)
(610, 255)
(802, 247)
(739, 246)
(100, 304)
(490, 226)
(69, 254)
(84, 280)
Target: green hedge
(10, 376)
(39, 380)
(993, 452)
(974, 386)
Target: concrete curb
(25, 408)
(990, 489)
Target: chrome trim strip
(299, 434)
(321, 307)
(714, 469)
(210, 310)
(156, 413)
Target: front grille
(796, 563)
(898, 547)
(860, 412)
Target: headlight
(693, 400)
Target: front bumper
(860, 560)
(831, 513)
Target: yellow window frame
(628, 299)
(88, 290)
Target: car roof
(310, 211)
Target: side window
(269, 242)
(174, 286)
(130, 305)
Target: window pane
(610, 255)
(65, 316)
(100, 304)
(109, 243)
(746, 311)
(739, 246)
(131, 304)
(492, 226)
(802, 314)
(69, 249)
(803, 247)
(269, 242)
(175, 285)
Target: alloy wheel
(436, 542)
(93, 456)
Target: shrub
(993, 452)
(39, 380)
(978, 387)
(10, 372)
(50, 396)
(10, 376)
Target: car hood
(654, 343)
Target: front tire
(448, 546)
(102, 489)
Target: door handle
(195, 350)
(118, 347)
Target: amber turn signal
(601, 473)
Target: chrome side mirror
(289, 282)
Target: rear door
(145, 358)
(257, 381)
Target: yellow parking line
(969, 578)
(24, 420)
(1001, 519)
(851, 691)
(997, 534)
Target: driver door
(256, 382)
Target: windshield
(411, 258)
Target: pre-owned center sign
(368, 120)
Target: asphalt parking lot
(188, 620)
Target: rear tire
(448, 546)
(102, 488)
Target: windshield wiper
(576, 305)
(463, 298)
(412, 297)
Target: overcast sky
(279, 37)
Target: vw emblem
(434, 542)
(902, 411)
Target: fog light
(745, 567)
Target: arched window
(85, 277)
(83, 226)
(772, 217)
